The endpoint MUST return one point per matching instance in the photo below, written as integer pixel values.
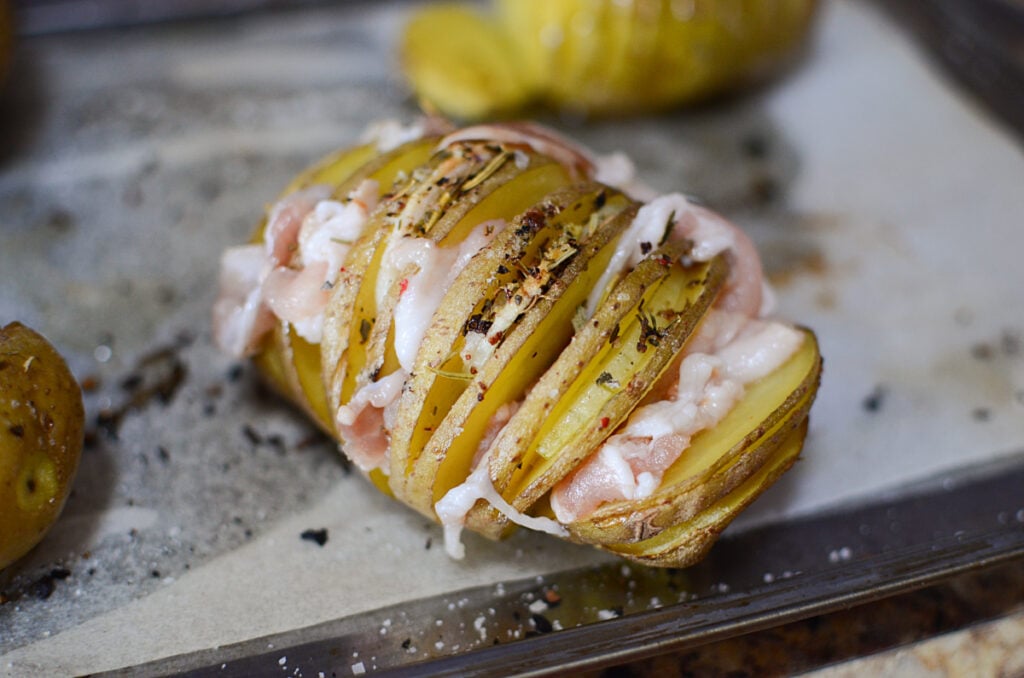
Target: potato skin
(41, 434)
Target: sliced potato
(596, 56)
(599, 379)
(512, 375)
(342, 337)
(493, 187)
(685, 543)
(473, 76)
(287, 361)
(528, 319)
(718, 459)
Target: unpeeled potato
(41, 433)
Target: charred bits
(158, 376)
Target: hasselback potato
(501, 328)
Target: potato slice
(473, 76)
(599, 379)
(688, 542)
(338, 331)
(494, 187)
(717, 460)
(288, 362)
(521, 322)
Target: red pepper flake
(604, 422)
(403, 286)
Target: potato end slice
(718, 460)
(688, 542)
(462, 63)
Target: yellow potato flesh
(685, 543)
(717, 458)
(596, 56)
(545, 338)
(472, 76)
(593, 406)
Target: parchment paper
(888, 209)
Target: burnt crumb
(131, 383)
(755, 146)
(17, 430)
(44, 587)
(874, 400)
(158, 376)
(276, 441)
(982, 351)
(765, 190)
(90, 383)
(541, 623)
(1011, 343)
(981, 414)
(251, 434)
(317, 536)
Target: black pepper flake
(317, 536)
(17, 430)
(364, 329)
(235, 372)
(614, 335)
(645, 248)
(873, 401)
(476, 323)
(981, 414)
(430, 542)
(600, 200)
(407, 643)
(502, 269)
(155, 574)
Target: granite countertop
(130, 157)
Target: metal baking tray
(882, 196)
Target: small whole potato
(41, 432)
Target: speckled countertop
(129, 158)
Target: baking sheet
(887, 208)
